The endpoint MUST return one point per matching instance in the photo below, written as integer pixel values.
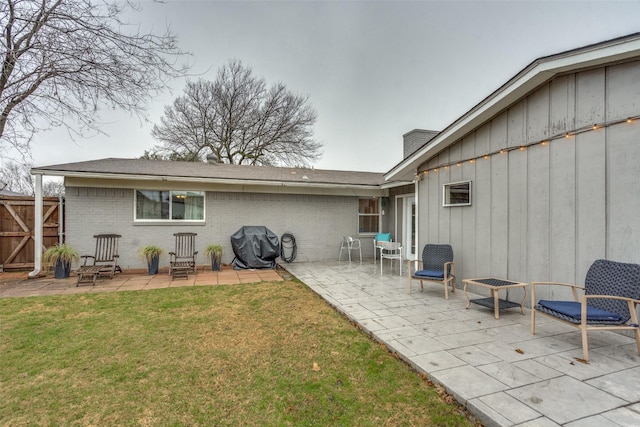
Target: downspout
(60, 219)
(399, 236)
(37, 228)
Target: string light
(565, 135)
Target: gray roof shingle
(130, 168)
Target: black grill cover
(254, 246)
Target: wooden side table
(494, 302)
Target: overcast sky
(372, 70)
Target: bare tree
(17, 177)
(238, 120)
(53, 188)
(63, 59)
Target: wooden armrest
(557, 284)
(410, 261)
(86, 258)
(449, 269)
(574, 289)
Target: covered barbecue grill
(254, 247)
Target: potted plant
(151, 254)
(60, 256)
(215, 253)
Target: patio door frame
(408, 226)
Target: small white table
(391, 251)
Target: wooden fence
(17, 231)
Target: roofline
(531, 77)
(395, 184)
(235, 181)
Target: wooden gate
(17, 232)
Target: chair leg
(533, 321)
(634, 320)
(585, 344)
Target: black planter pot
(153, 265)
(215, 265)
(62, 270)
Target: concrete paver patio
(18, 285)
(503, 374)
(496, 368)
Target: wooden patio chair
(609, 296)
(183, 259)
(103, 262)
(436, 266)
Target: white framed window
(168, 205)
(456, 194)
(368, 215)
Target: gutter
(93, 175)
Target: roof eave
(531, 77)
(228, 181)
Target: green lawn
(266, 354)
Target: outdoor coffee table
(494, 301)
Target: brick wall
(317, 222)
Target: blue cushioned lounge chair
(436, 266)
(610, 294)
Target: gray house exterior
(553, 161)
(317, 206)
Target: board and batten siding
(547, 212)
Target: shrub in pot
(60, 257)
(151, 254)
(215, 253)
